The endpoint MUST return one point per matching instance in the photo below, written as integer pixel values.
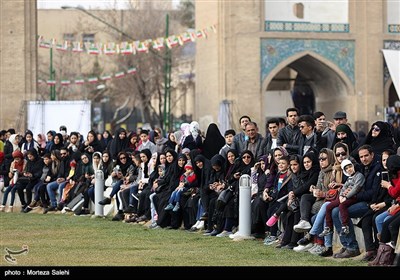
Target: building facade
(318, 56)
(18, 72)
(25, 63)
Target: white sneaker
(303, 248)
(224, 234)
(312, 247)
(269, 240)
(316, 250)
(302, 226)
(196, 224)
(10, 209)
(233, 235)
(2, 208)
(200, 225)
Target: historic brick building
(328, 53)
(18, 71)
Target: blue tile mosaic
(339, 52)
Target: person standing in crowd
(229, 144)
(214, 141)
(241, 137)
(270, 142)
(288, 136)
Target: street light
(167, 63)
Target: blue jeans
(175, 196)
(357, 210)
(319, 223)
(36, 190)
(200, 210)
(51, 188)
(380, 219)
(9, 189)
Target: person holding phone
(392, 188)
(378, 205)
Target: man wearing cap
(339, 117)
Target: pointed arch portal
(302, 73)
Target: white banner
(392, 58)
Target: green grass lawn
(65, 240)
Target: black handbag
(23, 180)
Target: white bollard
(244, 209)
(98, 193)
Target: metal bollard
(244, 208)
(98, 193)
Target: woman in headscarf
(162, 196)
(119, 143)
(231, 209)
(344, 134)
(258, 206)
(214, 141)
(380, 137)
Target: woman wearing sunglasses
(380, 137)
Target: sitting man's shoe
(83, 212)
(369, 256)
(33, 204)
(305, 240)
(170, 206)
(327, 231)
(118, 217)
(60, 206)
(27, 209)
(23, 208)
(348, 254)
(344, 231)
(49, 209)
(327, 252)
(105, 201)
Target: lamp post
(167, 82)
(52, 77)
(167, 63)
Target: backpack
(384, 257)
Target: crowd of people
(309, 177)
